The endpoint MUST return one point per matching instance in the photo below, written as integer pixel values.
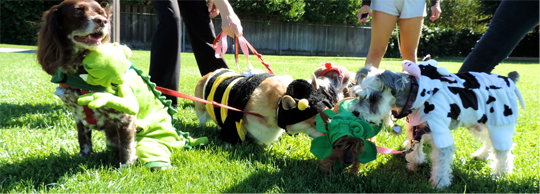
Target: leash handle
(243, 45)
(193, 98)
(220, 45)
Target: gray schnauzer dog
(435, 102)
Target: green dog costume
(129, 91)
(342, 124)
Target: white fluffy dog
(435, 102)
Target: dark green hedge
(21, 19)
(529, 46)
(439, 43)
(450, 43)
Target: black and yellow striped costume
(230, 88)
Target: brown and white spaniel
(69, 31)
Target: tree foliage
(459, 14)
(488, 7)
(332, 12)
(439, 42)
(285, 10)
(310, 11)
(21, 19)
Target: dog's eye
(79, 11)
(104, 4)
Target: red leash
(383, 150)
(166, 91)
(220, 45)
(213, 103)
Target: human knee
(409, 53)
(409, 49)
(377, 51)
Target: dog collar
(73, 80)
(406, 110)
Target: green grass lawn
(38, 144)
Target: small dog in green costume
(346, 140)
(129, 91)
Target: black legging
(511, 22)
(166, 43)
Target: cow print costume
(463, 100)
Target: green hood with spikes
(344, 124)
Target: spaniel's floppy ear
(108, 7)
(288, 103)
(314, 81)
(393, 80)
(50, 50)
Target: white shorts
(402, 8)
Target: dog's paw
(132, 159)
(86, 150)
(412, 166)
(496, 174)
(124, 166)
(481, 154)
(85, 154)
(441, 183)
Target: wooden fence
(139, 22)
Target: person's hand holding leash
(212, 9)
(435, 12)
(230, 23)
(361, 16)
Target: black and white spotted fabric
(468, 98)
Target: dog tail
(514, 76)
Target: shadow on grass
(243, 149)
(390, 176)
(185, 105)
(29, 115)
(42, 172)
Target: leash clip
(411, 149)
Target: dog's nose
(100, 21)
(349, 159)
